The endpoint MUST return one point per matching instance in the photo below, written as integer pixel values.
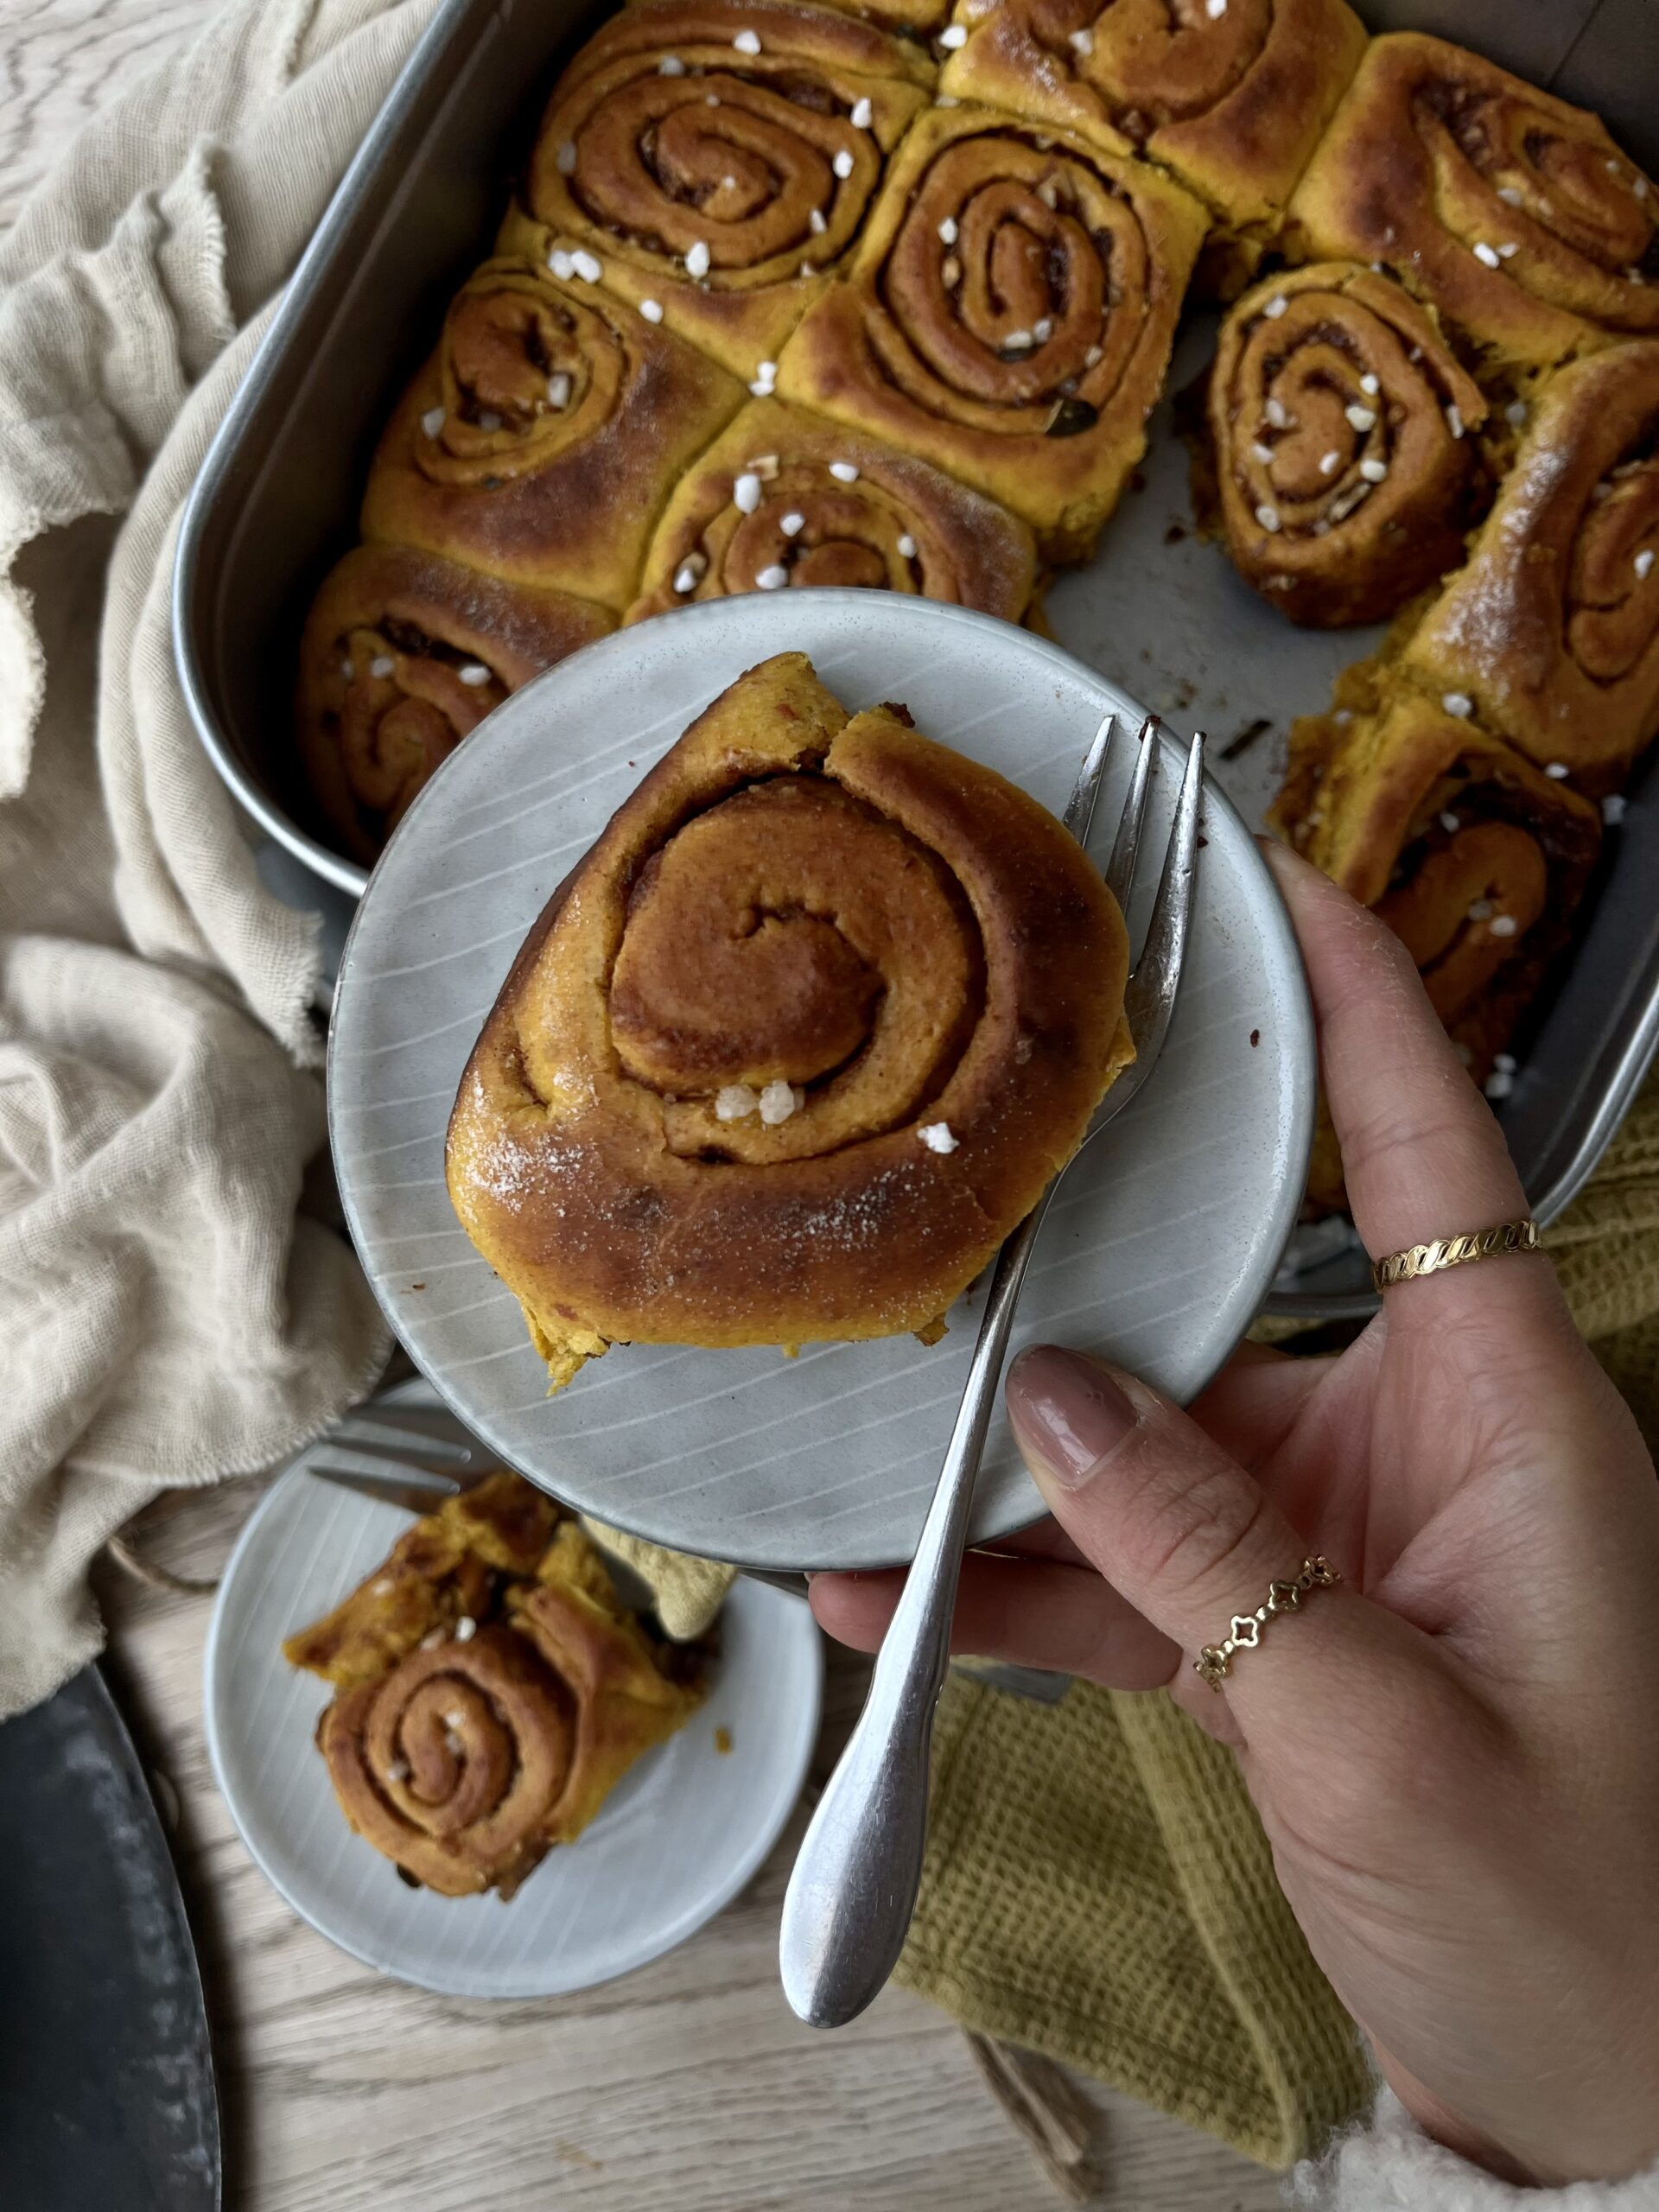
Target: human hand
(1455, 1753)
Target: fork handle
(847, 1908)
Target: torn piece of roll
(1514, 212)
(402, 656)
(1474, 858)
(801, 1040)
(538, 441)
(783, 500)
(491, 1690)
(1340, 421)
(1551, 632)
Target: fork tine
(1150, 999)
(384, 1433)
(1120, 869)
(1080, 807)
(390, 1487)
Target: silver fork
(850, 1897)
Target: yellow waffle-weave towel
(1098, 1886)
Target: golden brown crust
(539, 441)
(1553, 628)
(1022, 346)
(1341, 425)
(623, 1701)
(491, 1690)
(1515, 213)
(402, 656)
(1232, 102)
(932, 950)
(763, 502)
(1476, 859)
(731, 153)
(439, 1571)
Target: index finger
(1422, 1154)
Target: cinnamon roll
(465, 1749)
(538, 441)
(1008, 316)
(402, 656)
(1232, 100)
(797, 1045)
(1341, 424)
(784, 498)
(1472, 856)
(1551, 632)
(712, 161)
(1516, 214)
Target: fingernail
(1067, 1413)
(1280, 859)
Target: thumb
(1180, 1530)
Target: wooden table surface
(687, 2087)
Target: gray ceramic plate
(681, 1835)
(1158, 1249)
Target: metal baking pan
(107, 2094)
(1164, 614)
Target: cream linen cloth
(164, 1316)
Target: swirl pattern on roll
(1009, 316)
(1474, 858)
(1233, 100)
(452, 1765)
(1340, 424)
(1552, 629)
(783, 500)
(859, 999)
(535, 442)
(1514, 212)
(491, 1690)
(402, 656)
(715, 156)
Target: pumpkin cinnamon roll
(1475, 858)
(1232, 100)
(798, 1044)
(783, 500)
(1551, 632)
(537, 443)
(1515, 213)
(1008, 316)
(1341, 424)
(402, 656)
(712, 161)
(491, 1689)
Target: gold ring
(1215, 1662)
(1455, 1252)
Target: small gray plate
(682, 1833)
(1158, 1250)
